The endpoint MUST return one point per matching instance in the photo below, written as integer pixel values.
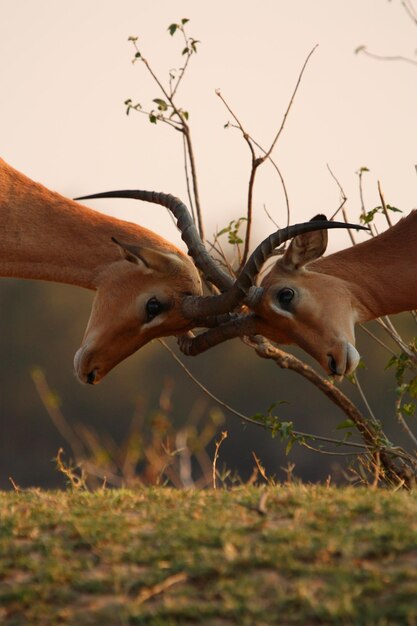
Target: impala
(314, 306)
(315, 301)
(139, 278)
(145, 287)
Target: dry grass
(256, 556)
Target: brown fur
(377, 277)
(48, 237)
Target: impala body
(139, 278)
(315, 301)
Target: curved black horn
(194, 306)
(234, 293)
(236, 327)
(196, 249)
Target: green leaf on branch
(347, 423)
(408, 409)
(183, 114)
(172, 28)
(162, 105)
(152, 118)
(184, 20)
(369, 216)
(412, 387)
(194, 43)
(289, 446)
(402, 362)
(232, 231)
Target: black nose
(332, 365)
(91, 376)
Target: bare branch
(374, 439)
(257, 161)
(255, 164)
(383, 57)
(375, 338)
(249, 420)
(187, 178)
(216, 456)
(410, 10)
(384, 206)
(184, 128)
(281, 128)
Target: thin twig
(410, 10)
(402, 421)
(284, 187)
(384, 206)
(47, 398)
(341, 207)
(383, 57)
(187, 178)
(147, 594)
(342, 193)
(184, 128)
(216, 456)
(14, 485)
(250, 420)
(363, 210)
(281, 128)
(389, 327)
(257, 161)
(377, 339)
(270, 217)
(184, 67)
(194, 178)
(365, 400)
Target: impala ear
(305, 248)
(131, 253)
(149, 258)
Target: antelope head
(138, 298)
(311, 309)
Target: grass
(157, 556)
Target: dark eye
(153, 308)
(285, 296)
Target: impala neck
(381, 272)
(45, 236)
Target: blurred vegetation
(42, 326)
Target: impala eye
(285, 296)
(153, 308)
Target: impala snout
(95, 359)
(342, 360)
(86, 371)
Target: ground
(259, 556)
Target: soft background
(65, 70)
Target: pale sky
(65, 69)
